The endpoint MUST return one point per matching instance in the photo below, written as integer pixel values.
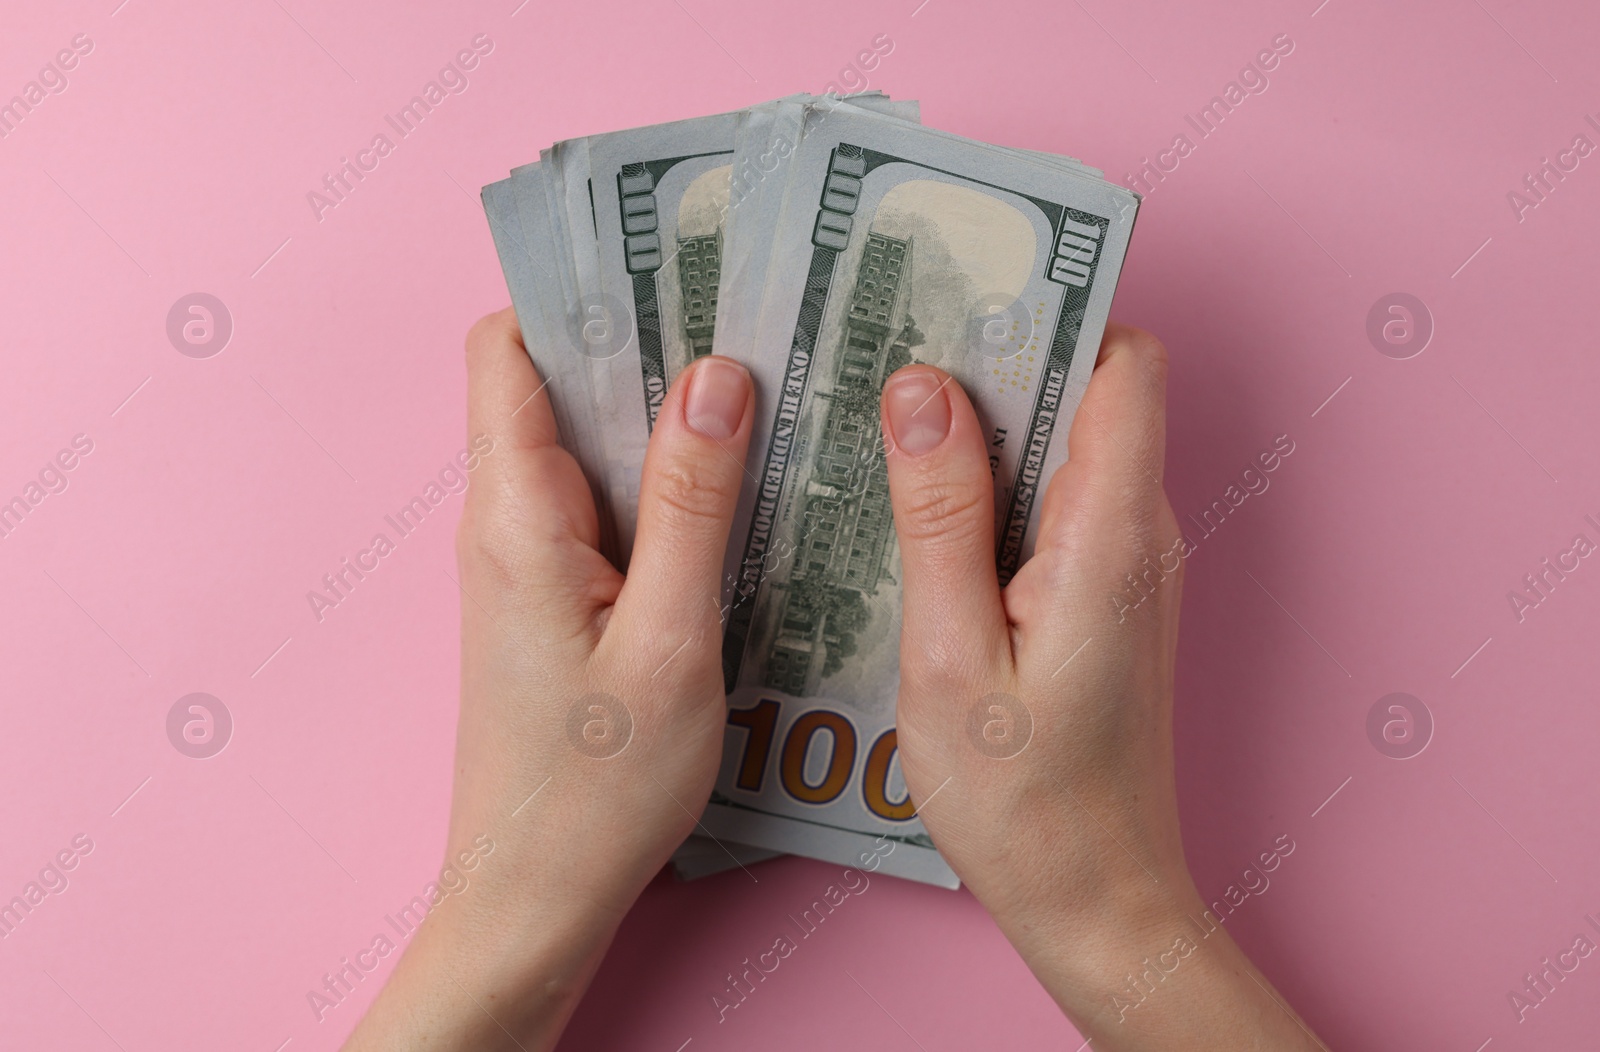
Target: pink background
(178, 160)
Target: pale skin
(1072, 844)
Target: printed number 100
(761, 721)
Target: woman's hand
(592, 706)
(1035, 721)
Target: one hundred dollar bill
(824, 244)
(892, 244)
(530, 264)
(657, 200)
(661, 198)
(701, 856)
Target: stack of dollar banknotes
(824, 243)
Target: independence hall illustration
(846, 535)
(699, 272)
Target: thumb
(693, 471)
(943, 501)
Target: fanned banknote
(824, 243)
(657, 200)
(894, 245)
(547, 319)
(530, 268)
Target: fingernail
(918, 410)
(717, 395)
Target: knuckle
(1175, 547)
(1057, 568)
(1140, 341)
(509, 568)
(692, 494)
(941, 667)
(941, 511)
(1147, 344)
(1146, 349)
(500, 530)
(499, 552)
(488, 332)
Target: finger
(693, 471)
(1118, 438)
(529, 520)
(943, 501)
(1104, 515)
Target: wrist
(1086, 932)
(508, 948)
(543, 896)
(475, 973)
(1152, 969)
(529, 929)
(541, 960)
(1084, 923)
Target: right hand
(1098, 691)
(1072, 843)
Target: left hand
(592, 705)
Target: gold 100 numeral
(761, 723)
